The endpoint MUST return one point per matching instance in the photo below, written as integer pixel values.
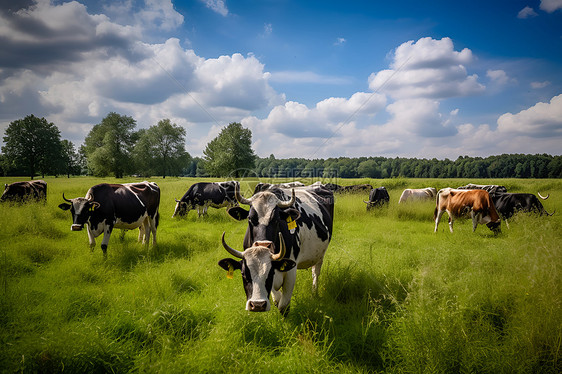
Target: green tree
(32, 144)
(70, 160)
(230, 152)
(109, 144)
(161, 149)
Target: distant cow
(508, 204)
(491, 188)
(459, 202)
(27, 190)
(377, 197)
(202, 195)
(287, 229)
(121, 206)
(416, 194)
(356, 188)
(265, 186)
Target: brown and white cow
(459, 202)
(415, 194)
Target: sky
(311, 79)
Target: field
(393, 296)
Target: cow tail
(157, 219)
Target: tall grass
(393, 296)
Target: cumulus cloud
(527, 12)
(217, 6)
(551, 5)
(540, 120)
(428, 68)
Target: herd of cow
(289, 225)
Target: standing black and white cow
(287, 230)
(121, 206)
(203, 195)
(507, 204)
(27, 190)
(377, 197)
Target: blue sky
(310, 79)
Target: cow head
(182, 208)
(257, 264)
(268, 216)
(81, 209)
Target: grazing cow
(122, 206)
(491, 188)
(28, 190)
(356, 188)
(459, 202)
(377, 197)
(202, 195)
(415, 194)
(287, 230)
(508, 204)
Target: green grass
(393, 296)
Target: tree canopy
(32, 144)
(230, 153)
(109, 144)
(161, 150)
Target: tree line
(33, 146)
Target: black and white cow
(377, 197)
(27, 190)
(287, 230)
(203, 195)
(507, 204)
(491, 188)
(121, 206)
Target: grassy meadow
(393, 296)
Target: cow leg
(91, 239)
(141, 234)
(315, 274)
(146, 228)
(451, 221)
(153, 227)
(105, 241)
(475, 219)
(438, 219)
(287, 293)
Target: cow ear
(284, 264)
(230, 265)
(238, 213)
(64, 206)
(290, 212)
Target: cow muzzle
(76, 227)
(257, 305)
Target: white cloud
(540, 120)
(267, 30)
(217, 6)
(499, 77)
(428, 68)
(527, 12)
(551, 5)
(538, 85)
(340, 41)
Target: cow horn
(65, 199)
(239, 197)
(366, 202)
(281, 253)
(542, 197)
(177, 201)
(231, 250)
(286, 204)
